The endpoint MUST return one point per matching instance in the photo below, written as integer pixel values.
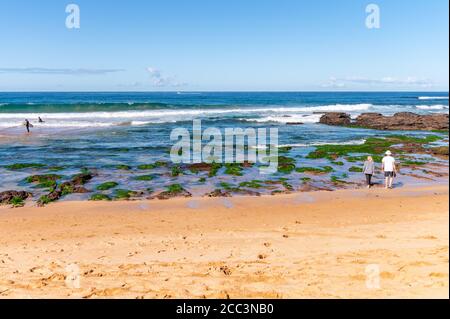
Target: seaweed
(315, 170)
(285, 164)
(355, 169)
(144, 178)
(123, 167)
(100, 197)
(19, 166)
(17, 202)
(144, 167)
(106, 186)
(233, 169)
(44, 200)
(176, 171)
(175, 188)
(413, 163)
(252, 184)
(126, 194)
(373, 146)
(215, 167)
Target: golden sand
(343, 244)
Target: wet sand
(343, 244)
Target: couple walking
(387, 166)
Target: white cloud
(55, 71)
(158, 79)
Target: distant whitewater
(103, 110)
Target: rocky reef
(9, 197)
(400, 121)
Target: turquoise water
(103, 130)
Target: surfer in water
(27, 125)
(40, 120)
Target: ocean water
(102, 130)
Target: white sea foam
(432, 107)
(188, 112)
(313, 118)
(284, 115)
(433, 97)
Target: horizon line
(233, 91)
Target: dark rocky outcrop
(336, 118)
(74, 186)
(399, 121)
(404, 121)
(441, 151)
(219, 193)
(7, 197)
(168, 195)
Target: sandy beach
(302, 245)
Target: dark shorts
(389, 174)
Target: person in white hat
(389, 169)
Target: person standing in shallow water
(369, 170)
(27, 125)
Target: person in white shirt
(389, 169)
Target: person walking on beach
(27, 125)
(369, 169)
(389, 169)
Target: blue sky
(232, 45)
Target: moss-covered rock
(20, 166)
(315, 170)
(174, 190)
(100, 197)
(106, 186)
(372, 146)
(144, 178)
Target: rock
(400, 121)
(168, 195)
(201, 167)
(441, 151)
(42, 178)
(6, 197)
(404, 121)
(336, 118)
(80, 190)
(74, 186)
(219, 193)
(81, 179)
